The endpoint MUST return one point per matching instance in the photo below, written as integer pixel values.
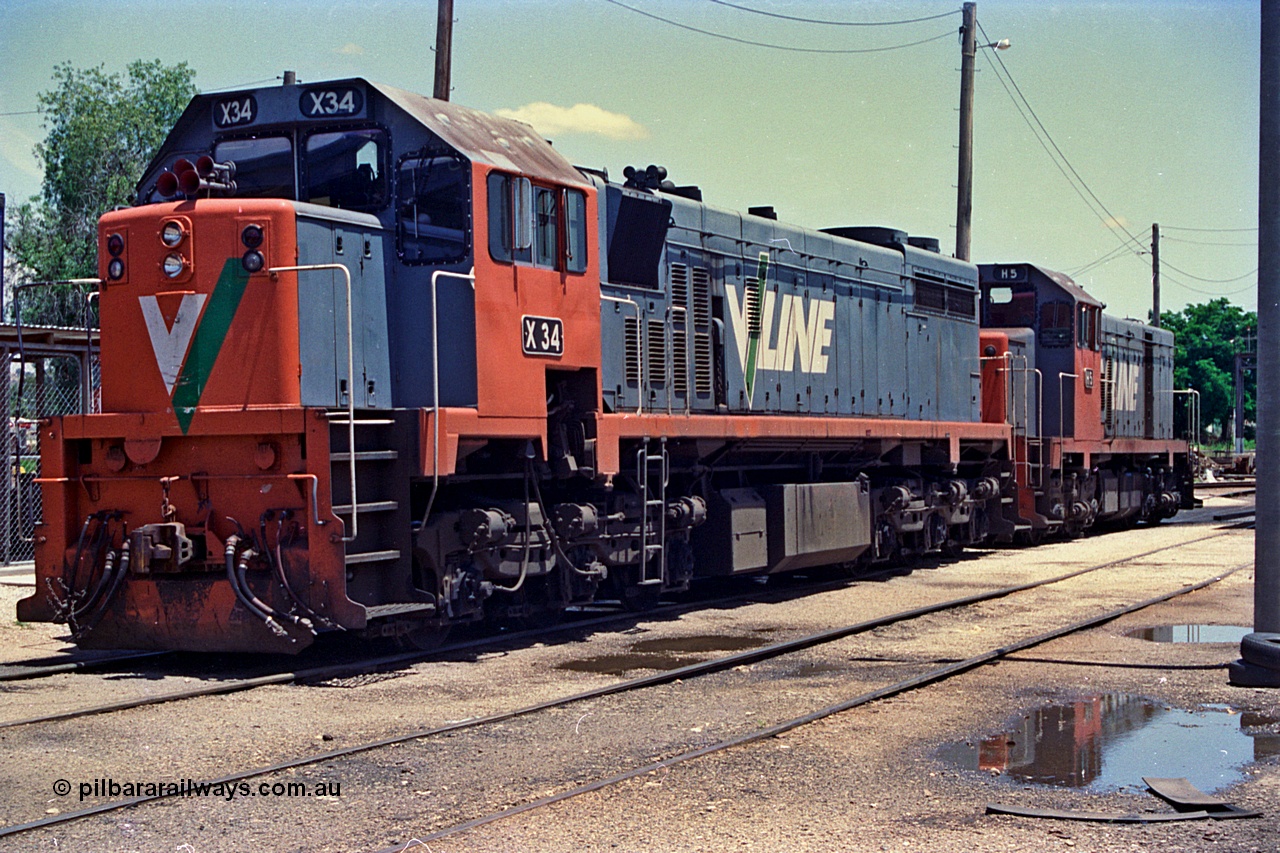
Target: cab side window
(433, 215)
(345, 169)
(547, 229)
(1055, 324)
(576, 231)
(538, 225)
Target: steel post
(1266, 591)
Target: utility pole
(1, 254)
(964, 184)
(1266, 584)
(1246, 360)
(444, 48)
(1155, 274)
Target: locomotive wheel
(640, 599)
(1031, 537)
(423, 638)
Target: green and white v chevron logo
(187, 350)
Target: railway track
(32, 668)
(685, 673)
(915, 682)
(363, 666)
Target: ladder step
(649, 582)
(372, 557)
(358, 422)
(379, 611)
(372, 506)
(366, 456)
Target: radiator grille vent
(657, 344)
(701, 307)
(631, 348)
(702, 362)
(679, 361)
(680, 286)
(751, 301)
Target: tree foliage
(101, 132)
(1208, 336)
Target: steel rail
(922, 680)
(686, 672)
(367, 665)
(27, 670)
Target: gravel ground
(873, 778)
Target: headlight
(253, 261)
(171, 235)
(173, 265)
(115, 269)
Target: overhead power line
(1214, 293)
(1167, 265)
(1210, 230)
(835, 23)
(786, 47)
(1121, 251)
(1078, 183)
(1253, 245)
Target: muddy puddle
(1191, 633)
(663, 654)
(704, 643)
(1110, 741)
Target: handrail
(1062, 410)
(626, 300)
(1193, 414)
(351, 384)
(86, 401)
(671, 364)
(435, 382)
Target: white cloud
(1116, 223)
(551, 120)
(350, 49)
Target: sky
(1149, 107)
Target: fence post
(6, 438)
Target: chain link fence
(39, 387)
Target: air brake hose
(122, 569)
(233, 542)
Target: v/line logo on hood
(187, 350)
(779, 332)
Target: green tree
(1208, 336)
(101, 132)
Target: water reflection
(1110, 740)
(1191, 633)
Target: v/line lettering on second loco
(794, 332)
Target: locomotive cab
(323, 281)
(1104, 397)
